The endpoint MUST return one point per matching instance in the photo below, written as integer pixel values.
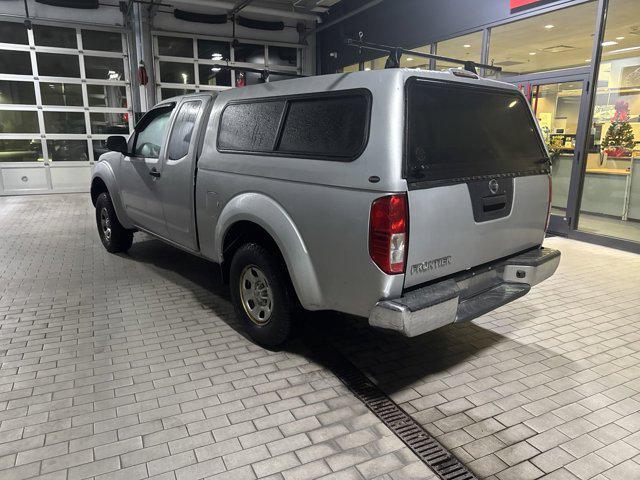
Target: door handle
(154, 172)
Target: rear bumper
(465, 296)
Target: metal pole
(484, 55)
(586, 113)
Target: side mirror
(116, 143)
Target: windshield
(456, 132)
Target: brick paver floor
(131, 367)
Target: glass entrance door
(557, 109)
(558, 103)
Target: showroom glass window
(610, 203)
(189, 63)
(466, 47)
(60, 102)
(545, 42)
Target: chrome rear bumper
(465, 296)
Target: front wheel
(261, 294)
(113, 235)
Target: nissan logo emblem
(493, 186)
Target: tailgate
(478, 177)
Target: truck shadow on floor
(390, 360)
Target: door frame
(563, 225)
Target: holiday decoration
(618, 141)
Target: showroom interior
(133, 366)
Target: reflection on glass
(68, 150)
(283, 56)
(109, 123)
(99, 40)
(69, 94)
(467, 48)
(64, 122)
(611, 193)
(210, 75)
(248, 52)
(544, 42)
(16, 63)
(107, 96)
(557, 107)
(104, 68)
(174, 92)
(20, 151)
(13, 32)
(175, 72)
(12, 121)
(175, 46)
(48, 36)
(17, 92)
(99, 147)
(56, 65)
(213, 50)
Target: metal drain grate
(427, 448)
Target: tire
(113, 235)
(257, 275)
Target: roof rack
(396, 52)
(264, 72)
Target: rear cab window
(328, 126)
(457, 132)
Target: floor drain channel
(427, 448)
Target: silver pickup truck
(414, 199)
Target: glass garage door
(63, 90)
(188, 64)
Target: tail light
(389, 233)
(546, 225)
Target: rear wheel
(261, 295)
(113, 235)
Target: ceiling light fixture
(466, 45)
(532, 53)
(609, 43)
(549, 26)
(409, 59)
(619, 38)
(622, 50)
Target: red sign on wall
(517, 5)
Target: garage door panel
(24, 179)
(71, 178)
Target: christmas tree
(618, 141)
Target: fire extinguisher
(240, 79)
(143, 78)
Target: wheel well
(240, 233)
(97, 187)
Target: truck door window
(150, 132)
(182, 131)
